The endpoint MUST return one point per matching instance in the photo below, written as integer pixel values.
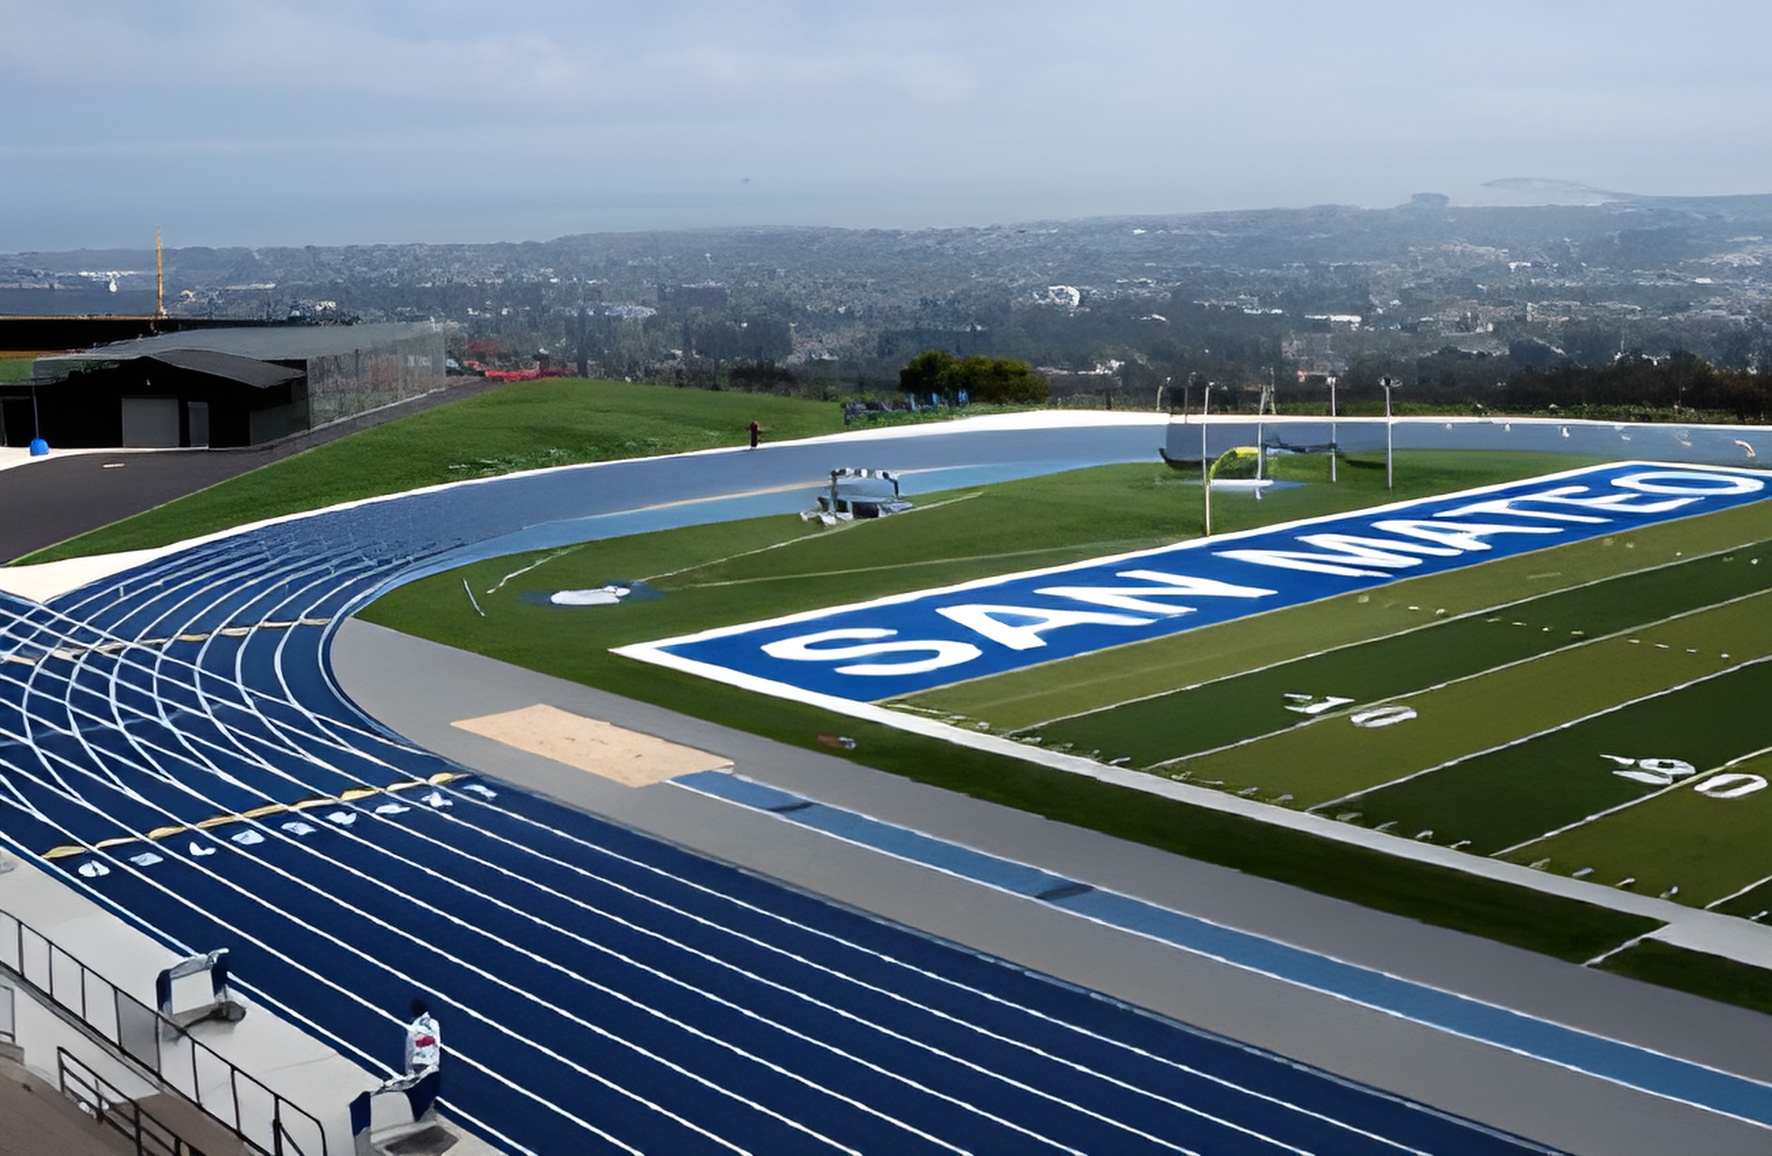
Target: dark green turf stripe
(1190, 721)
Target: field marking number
(1666, 772)
(1734, 785)
(1381, 716)
(1655, 772)
(1311, 705)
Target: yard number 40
(1667, 772)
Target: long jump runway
(172, 743)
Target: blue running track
(173, 744)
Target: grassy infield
(719, 575)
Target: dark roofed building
(221, 387)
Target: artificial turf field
(1532, 680)
(1595, 709)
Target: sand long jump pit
(587, 744)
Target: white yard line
(1560, 651)
(1689, 781)
(1562, 726)
(1402, 590)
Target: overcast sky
(267, 122)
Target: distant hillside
(1446, 293)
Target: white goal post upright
(1206, 462)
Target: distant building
(220, 387)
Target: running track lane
(599, 991)
(1621, 1063)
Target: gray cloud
(330, 120)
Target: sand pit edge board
(588, 744)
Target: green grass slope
(520, 426)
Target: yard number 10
(1667, 772)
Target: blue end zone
(912, 642)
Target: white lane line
(851, 979)
(281, 644)
(318, 1030)
(281, 836)
(314, 852)
(1391, 635)
(939, 980)
(123, 863)
(204, 870)
(170, 780)
(284, 642)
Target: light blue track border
(1606, 1059)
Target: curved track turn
(172, 743)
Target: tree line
(997, 380)
(1681, 381)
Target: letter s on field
(941, 652)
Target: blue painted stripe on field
(736, 790)
(900, 841)
(1608, 1059)
(1008, 622)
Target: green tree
(988, 379)
(927, 373)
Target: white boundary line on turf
(1390, 635)
(1755, 948)
(1692, 781)
(1567, 724)
(42, 581)
(645, 650)
(1564, 651)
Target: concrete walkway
(419, 688)
(263, 1046)
(1691, 927)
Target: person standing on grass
(756, 434)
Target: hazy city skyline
(330, 122)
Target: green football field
(1598, 709)
(1495, 661)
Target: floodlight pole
(1332, 448)
(1389, 476)
(1206, 462)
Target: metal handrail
(110, 1107)
(139, 1032)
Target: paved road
(52, 499)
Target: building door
(150, 421)
(197, 416)
(17, 424)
